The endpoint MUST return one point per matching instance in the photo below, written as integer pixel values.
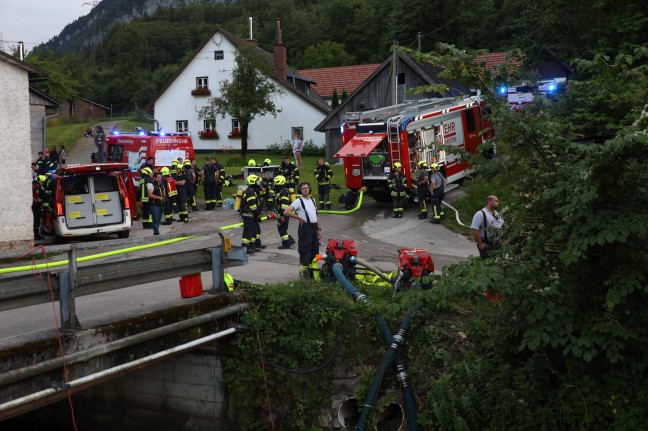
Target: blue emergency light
(503, 89)
(551, 88)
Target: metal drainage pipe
(348, 413)
(72, 384)
(389, 419)
(52, 364)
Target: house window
(201, 82)
(236, 127)
(182, 126)
(209, 125)
(219, 55)
(401, 78)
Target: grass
(234, 166)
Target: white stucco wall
(15, 193)
(177, 104)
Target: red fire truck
(430, 130)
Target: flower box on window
(234, 134)
(208, 134)
(201, 91)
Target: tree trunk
(244, 136)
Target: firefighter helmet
(147, 171)
(42, 178)
(434, 166)
(252, 180)
(174, 163)
(178, 167)
(164, 171)
(187, 162)
(267, 162)
(251, 162)
(397, 165)
(422, 164)
(280, 180)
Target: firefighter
(423, 183)
(251, 211)
(398, 187)
(156, 193)
(145, 179)
(221, 180)
(437, 192)
(171, 193)
(44, 163)
(209, 177)
(45, 198)
(283, 202)
(266, 193)
(323, 174)
(36, 206)
(190, 185)
(181, 186)
(199, 178)
(290, 172)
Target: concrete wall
(37, 112)
(15, 146)
(177, 104)
(188, 385)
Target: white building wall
(15, 146)
(177, 104)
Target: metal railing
(17, 291)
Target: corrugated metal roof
(339, 78)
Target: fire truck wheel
(123, 234)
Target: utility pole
(395, 73)
(418, 37)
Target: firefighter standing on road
(251, 211)
(323, 174)
(437, 192)
(398, 187)
(209, 180)
(171, 193)
(220, 181)
(181, 186)
(422, 188)
(190, 185)
(283, 202)
(145, 179)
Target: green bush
(285, 148)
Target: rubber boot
(304, 273)
(291, 240)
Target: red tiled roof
(339, 78)
(494, 60)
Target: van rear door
(92, 201)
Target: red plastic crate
(190, 286)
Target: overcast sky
(36, 21)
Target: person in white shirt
(304, 209)
(486, 227)
(298, 146)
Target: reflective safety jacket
(290, 172)
(323, 174)
(283, 200)
(144, 180)
(170, 183)
(397, 184)
(250, 205)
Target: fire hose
(456, 213)
(375, 270)
(394, 343)
(357, 207)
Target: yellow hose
(94, 256)
(357, 207)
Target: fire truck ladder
(394, 138)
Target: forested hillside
(132, 59)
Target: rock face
(88, 30)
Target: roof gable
(32, 71)
(340, 78)
(312, 98)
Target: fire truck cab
(430, 130)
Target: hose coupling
(359, 296)
(397, 341)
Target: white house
(16, 229)
(176, 108)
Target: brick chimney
(279, 53)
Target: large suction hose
(385, 332)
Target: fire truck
(433, 130)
